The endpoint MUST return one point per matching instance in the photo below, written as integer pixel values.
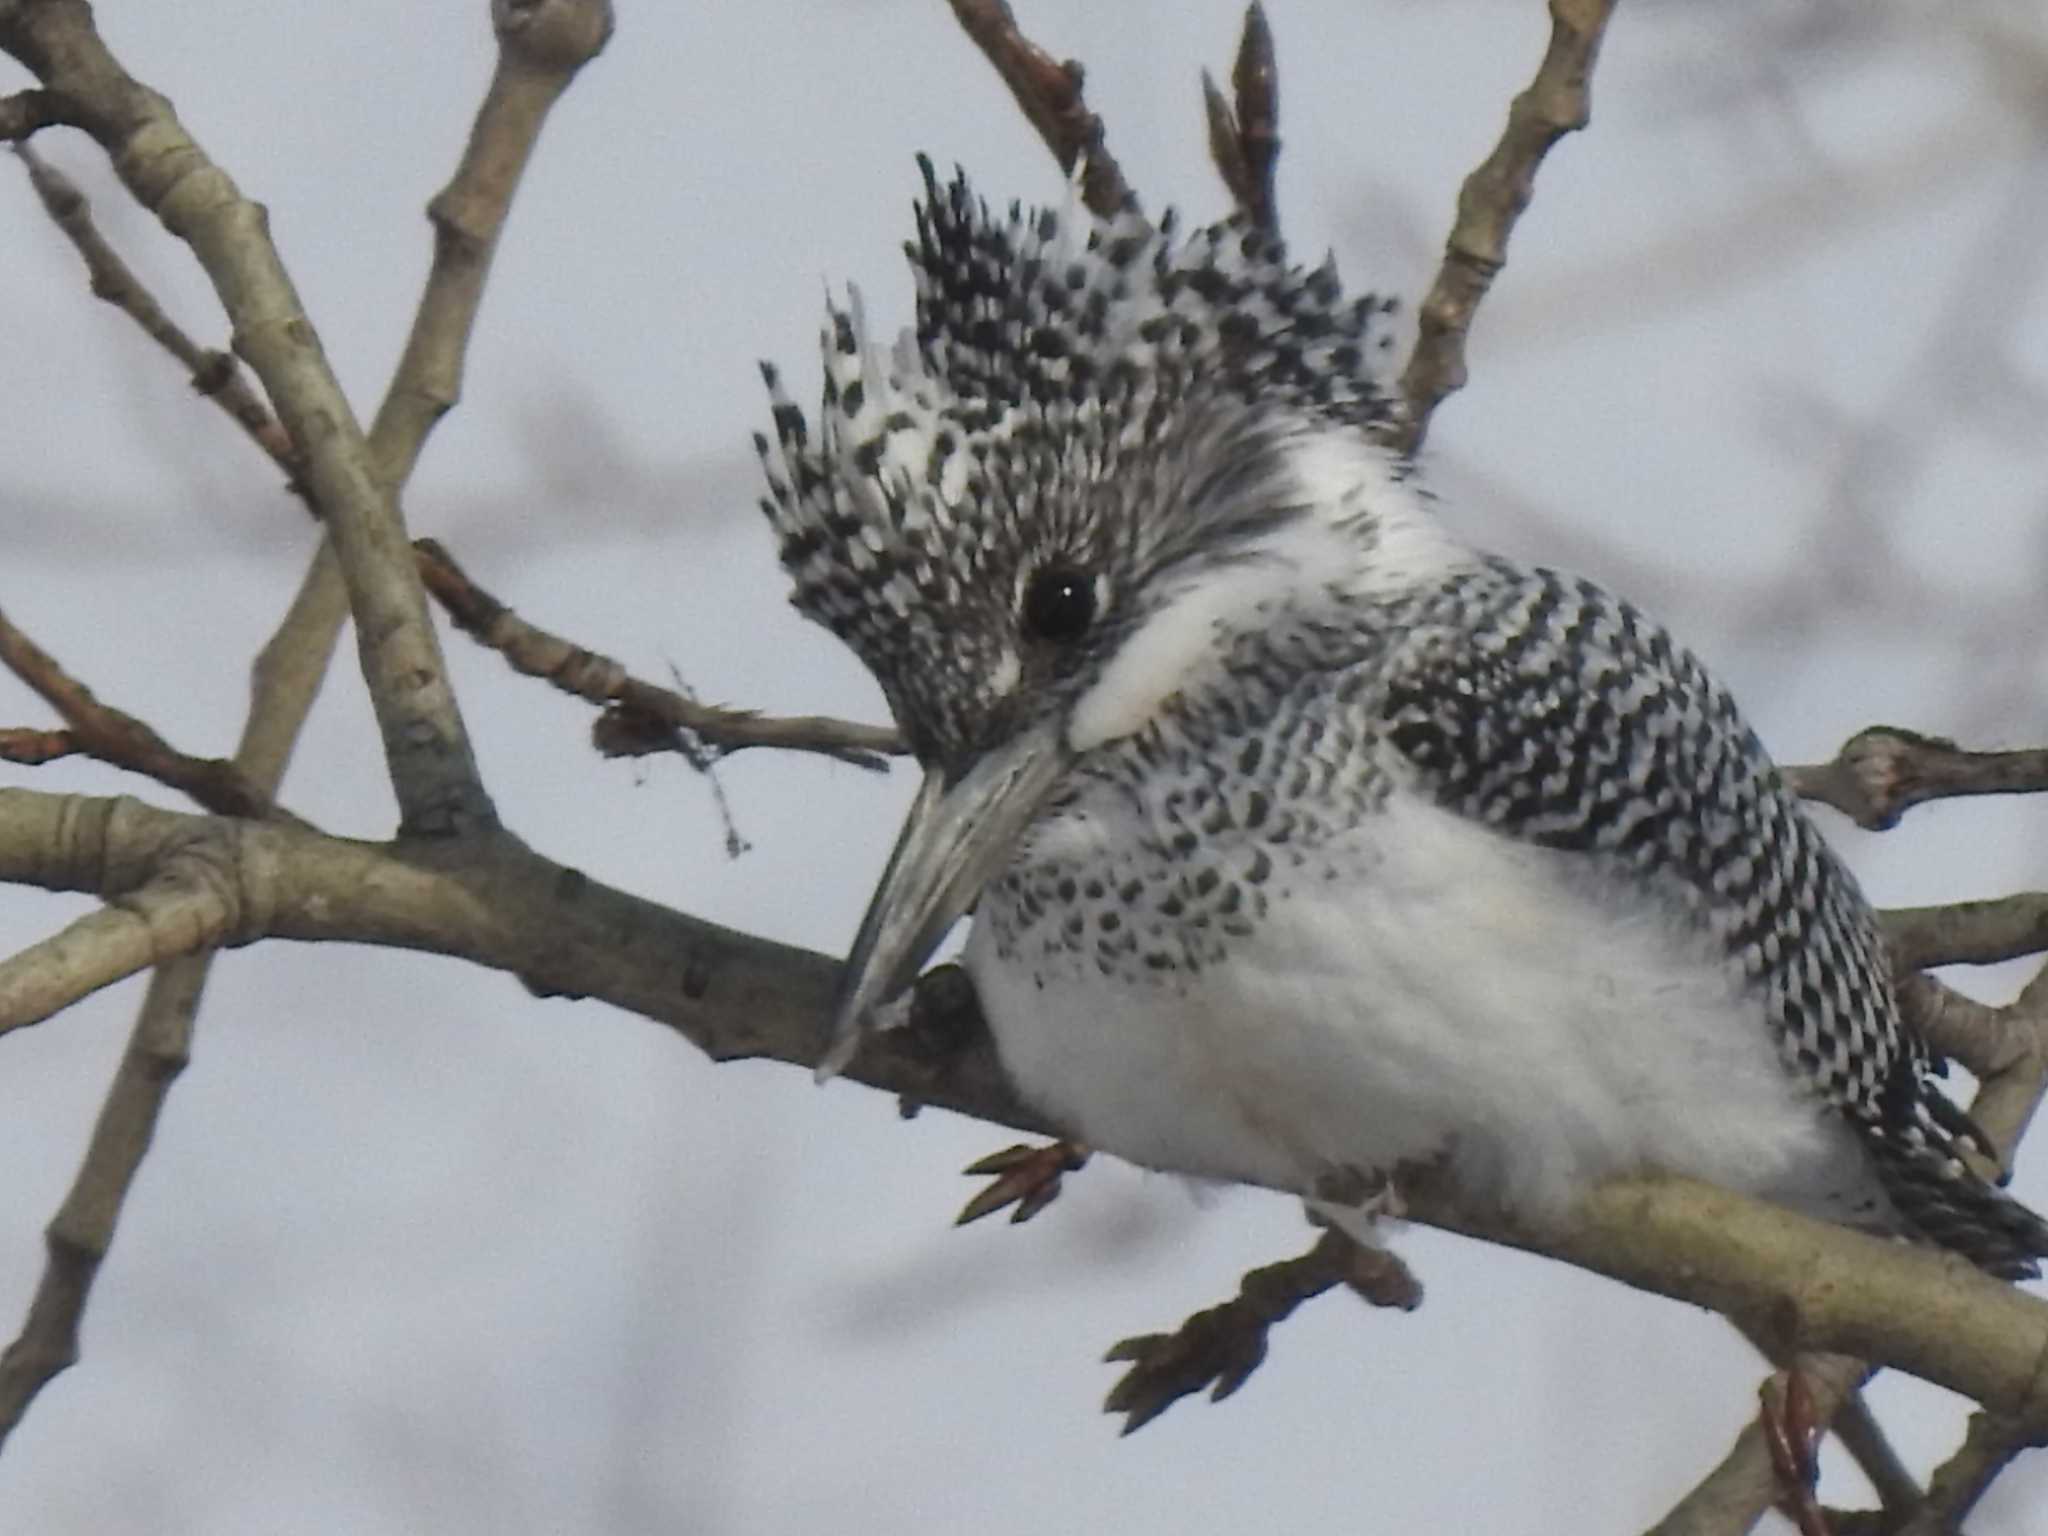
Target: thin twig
(32, 748)
(1558, 101)
(1049, 92)
(114, 736)
(27, 112)
(1244, 140)
(1989, 1446)
(1883, 771)
(639, 717)
(1872, 1451)
(81, 1233)
(542, 44)
(214, 374)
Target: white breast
(1429, 987)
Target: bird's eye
(1059, 603)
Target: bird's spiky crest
(1052, 355)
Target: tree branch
(32, 748)
(1557, 101)
(1967, 932)
(200, 894)
(425, 743)
(28, 112)
(81, 1233)
(1744, 1484)
(283, 684)
(1049, 93)
(496, 903)
(639, 717)
(214, 374)
(113, 736)
(1989, 1446)
(542, 44)
(1883, 771)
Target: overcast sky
(417, 1252)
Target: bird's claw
(1025, 1176)
(1792, 1436)
(1217, 1348)
(1220, 1347)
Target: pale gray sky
(417, 1252)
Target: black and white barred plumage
(1308, 840)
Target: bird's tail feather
(1946, 1203)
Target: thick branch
(498, 904)
(1558, 101)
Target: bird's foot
(1792, 1436)
(1024, 1176)
(1219, 1348)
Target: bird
(1304, 840)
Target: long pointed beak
(955, 841)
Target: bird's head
(1029, 515)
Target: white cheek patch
(1176, 642)
(1151, 663)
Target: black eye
(1059, 604)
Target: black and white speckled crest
(1065, 378)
